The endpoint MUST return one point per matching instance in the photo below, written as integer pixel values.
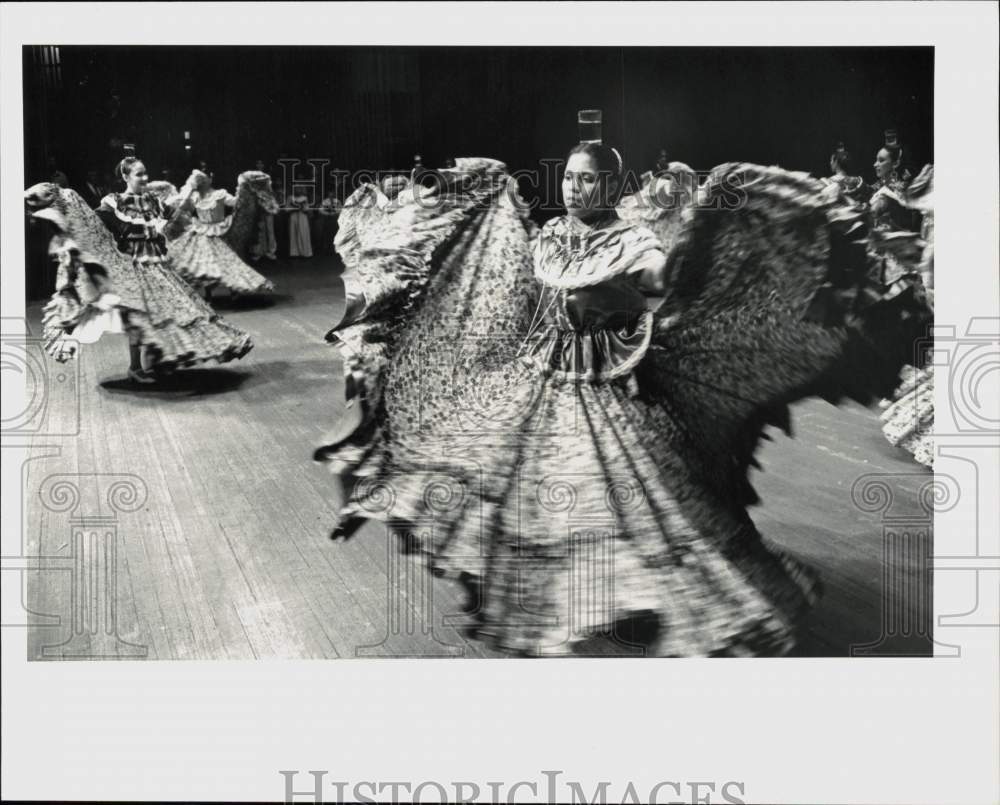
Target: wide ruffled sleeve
(771, 299)
(392, 267)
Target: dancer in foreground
(208, 253)
(115, 276)
(569, 426)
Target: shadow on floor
(182, 384)
(250, 301)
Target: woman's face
(585, 190)
(137, 178)
(884, 166)
(392, 186)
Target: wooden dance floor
(188, 521)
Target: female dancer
(115, 276)
(895, 238)
(299, 238)
(586, 466)
(202, 255)
(891, 180)
(851, 186)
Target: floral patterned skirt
(207, 261)
(909, 421)
(565, 507)
(160, 312)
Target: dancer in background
(299, 238)
(418, 171)
(266, 244)
(203, 254)
(56, 176)
(891, 180)
(115, 276)
(612, 383)
(853, 187)
(894, 224)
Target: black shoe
(347, 528)
(143, 377)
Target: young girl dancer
(115, 276)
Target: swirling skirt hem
(738, 599)
(66, 326)
(205, 261)
(761, 631)
(172, 345)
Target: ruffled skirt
(559, 505)
(909, 421)
(207, 261)
(66, 323)
(173, 323)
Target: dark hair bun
(125, 167)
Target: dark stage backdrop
(373, 108)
